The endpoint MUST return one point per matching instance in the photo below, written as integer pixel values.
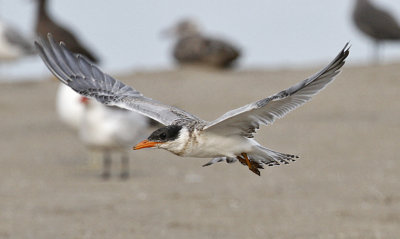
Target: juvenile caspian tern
(228, 138)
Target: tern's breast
(207, 145)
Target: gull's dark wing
(77, 72)
(245, 120)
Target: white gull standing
(105, 129)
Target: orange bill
(145, 144)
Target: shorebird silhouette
(192, 47)
(376, 23)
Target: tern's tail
(259, 157)
(271, 158)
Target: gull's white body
(102, 128)
(69, 107)
(99, 126)
(110, 128)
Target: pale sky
(126, 34)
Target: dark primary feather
(245, 120)
(87, 79)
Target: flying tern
(228, 138)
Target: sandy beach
(345, 184)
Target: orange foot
(245, 161)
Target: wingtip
(50, 39)
(346, 48)
(344, 53)
(37, 45)
(53, 42)
(39, 42)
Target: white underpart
(208, 145)
(178, 145)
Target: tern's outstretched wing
(84, 77)
(245, 120)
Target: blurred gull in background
(101, 128)
(111, 129)
(192, 47)
(45, 25)
(13, 45)
(376, 23)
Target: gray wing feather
(87, 79)
(245, 120)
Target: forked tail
(272, 158)
(259, 157)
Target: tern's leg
(124, 165)
(241, 160)
(106, 165)
(251, 166)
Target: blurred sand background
(345, 185)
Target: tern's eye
(163, 136)
(168, 133)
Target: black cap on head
(165, 134)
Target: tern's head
(167, 137)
